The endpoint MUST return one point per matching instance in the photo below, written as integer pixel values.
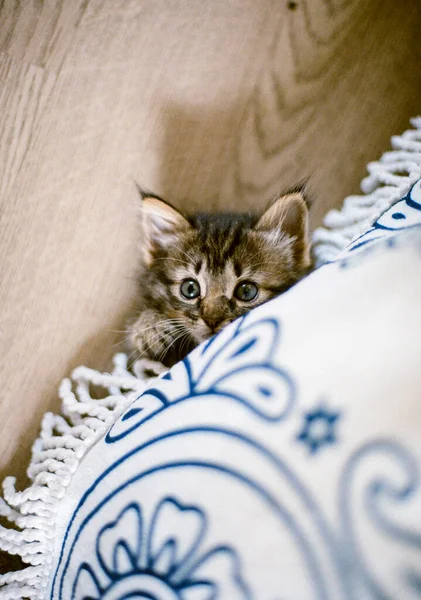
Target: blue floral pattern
(162, 562)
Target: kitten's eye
(190, 289)
(246, 291)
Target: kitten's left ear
(289, 214)
(161, 224)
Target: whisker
(185, 254)
(158, 337)
(180, 335)
(167, 333)
(251, 265)
(155, 325)
(184, 262)
(184, 342)
(177, 337)
(132, 354)
(120, 343)
(151, 343)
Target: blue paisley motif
(404, 214)
(241, 352)
(381, 477)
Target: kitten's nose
(215, 311)
(213, 323)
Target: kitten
(202, 271)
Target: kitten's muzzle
(213, 324)
(215, 312)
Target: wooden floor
(212, 104)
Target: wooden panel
(340, 79)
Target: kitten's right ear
(161, 224)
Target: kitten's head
(205, 270)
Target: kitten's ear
(161, 224)
(289, 214)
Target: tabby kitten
(202, 271)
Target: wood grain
(39, 32)
(21, 115)
(341, 77)
(213, 104)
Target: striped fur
(218, 251)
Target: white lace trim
(56, 455)
(389, 179)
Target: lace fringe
(389, 179)
(56, 454)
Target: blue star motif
(318, 429)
